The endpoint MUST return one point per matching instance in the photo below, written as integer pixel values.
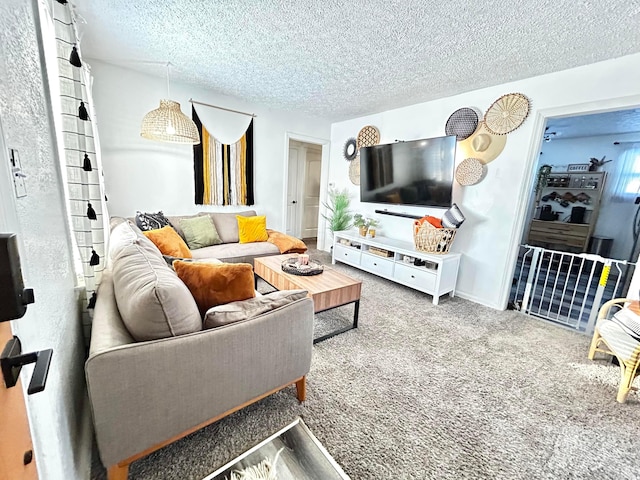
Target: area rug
(292, 453)
(449, 391)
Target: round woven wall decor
(469, 172)
(354, 171)
(368, 136)
(350, 149)
(462, 123)
(507, 113)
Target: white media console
(436, 277)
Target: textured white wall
(492, 206)
(59, 418)
(148, 176)
(614, 218)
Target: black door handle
(12, 360)
(293, 201)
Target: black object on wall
(14, 298)
(577, 215)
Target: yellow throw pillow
(252, 229)
(168, 242)
(214, 284)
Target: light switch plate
(19, 183)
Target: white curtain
(82, 167)
(627, 186)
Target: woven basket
(429, 239)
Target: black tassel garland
(91, 213)
(74, 58)
(87, 163)
(92, 300)
(95, 258)
(82, 112)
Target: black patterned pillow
(151, 221)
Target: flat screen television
(418, 172)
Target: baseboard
(479, 300)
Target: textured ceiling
(346, 58)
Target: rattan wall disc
(507, 113)
(470, 171)
(368, 136)
(462, 123)
(354, 171)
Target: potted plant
(364, 223)
(338, 215)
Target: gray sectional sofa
(147, 394)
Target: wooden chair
(611, 338)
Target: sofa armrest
(145, 393)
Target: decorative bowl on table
(293, 266)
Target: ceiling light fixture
(167, 123)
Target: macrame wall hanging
(223, 173)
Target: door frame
(324, 178)
(540, 120)
(9, 223)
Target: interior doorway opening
(302, 205)
(582, 218)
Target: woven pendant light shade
(168, 124)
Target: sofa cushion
(123, 234)
(199, 232)
(153, 302)
(175, 222)
(169, 259)
(242, 310)
(252, 229)
(237, 252)
(227, 224)
(216, 284)
(168, 242)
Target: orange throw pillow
(169, 242)
(252, 229)
(214, 284)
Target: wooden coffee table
(330, 289)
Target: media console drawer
(422, 279)
(377, 264)
(347, 254)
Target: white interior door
(311, 193)
(293, 204)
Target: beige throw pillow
(237, 311)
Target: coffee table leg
(356, 310)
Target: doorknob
(293, 201)
(12, 360)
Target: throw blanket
(286, 243)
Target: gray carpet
(451, 391)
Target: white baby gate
(567, 288)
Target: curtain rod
(618, 143)
(222, 108)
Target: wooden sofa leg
(118, 472)
(301, 388)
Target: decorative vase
(363, 231)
